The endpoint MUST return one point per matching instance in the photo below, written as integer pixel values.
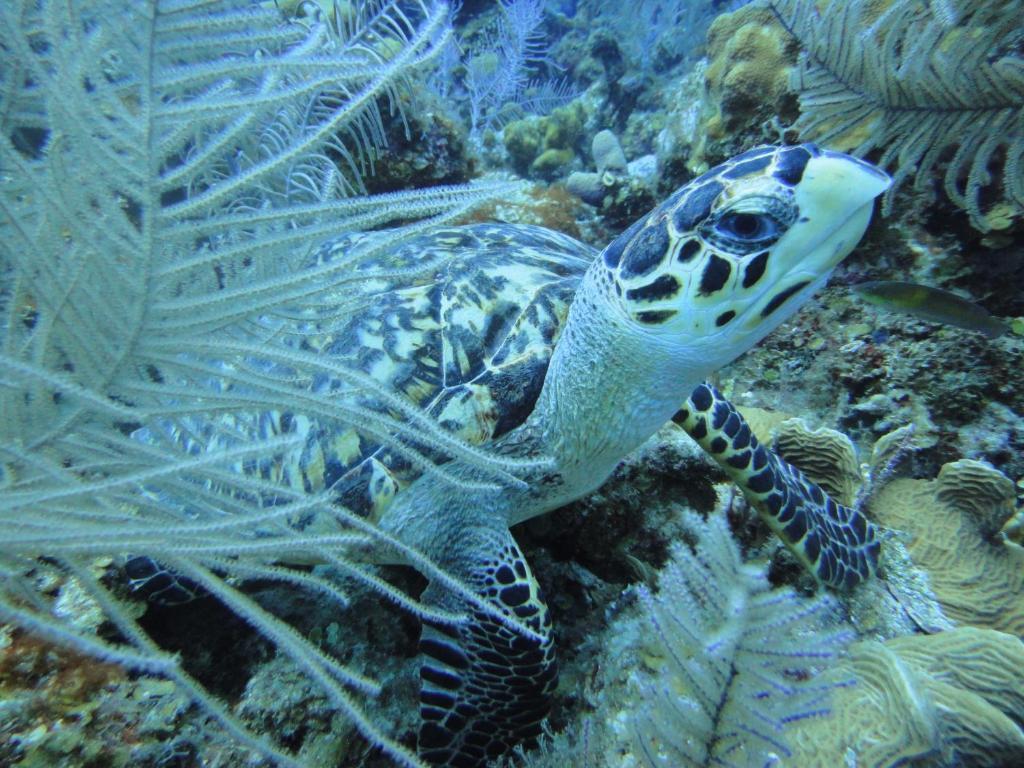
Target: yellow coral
(879, 719)
(826, 456)
(748, 73)
(954, 523)
(949, 699)
(762, 422)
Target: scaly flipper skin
(486, 688)
(835, 543)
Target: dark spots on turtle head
(646, 250)
(613, 253)
(716, 273)
(696, 206)
(718, 444)
(780, 298)
(755, 269)
(762, 151)
(732, 425)
(724, 318)
(790, 165)
(664, 287)
(700, 429)
(816, 495)
(714, 173)
(774, 503)
(747, 167)
(702, 398)
(655, 317)
(688, 250)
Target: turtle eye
(751, 223)
(747, 226)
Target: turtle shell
(461, 320)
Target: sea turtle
(544, 348)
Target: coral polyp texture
(954, 527)
(826, 456)
(949, 699)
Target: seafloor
(934, 646)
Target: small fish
(932, 304)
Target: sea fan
(166, 169)
(736, 659)
(924, 85)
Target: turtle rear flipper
(484, 687)
(835, 542)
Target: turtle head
(735, 252)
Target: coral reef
(545, 147)
(715, 665)
(826, 456)
(949, 699)
(747, 83)
(954, 525)
(929, 82)
(425, 148)
(621, 190)
(60, 708)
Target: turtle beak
(855, 176)
(841, 189)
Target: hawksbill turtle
(542, 346)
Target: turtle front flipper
(836, 543)
(484, 687)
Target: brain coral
(954, 524)
(826, 456)
(949, 699)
